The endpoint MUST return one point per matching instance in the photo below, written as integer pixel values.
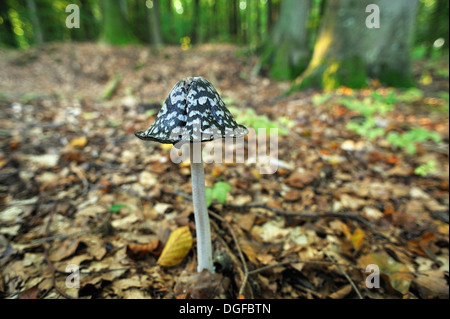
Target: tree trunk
(155, 24)
(347, 51)
(6, 29)
(269, 16)
(115, 29)
(438, 25)
(287, 53)
(195, 23)
(37, 31)
(233, 18)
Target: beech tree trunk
(37, 31)
(286, 53)
(155, 24)
(347, 52)
(115, 29)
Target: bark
(438, 25)
(115, 29)
(347, 52)
(34, 17)
(6, 29)
(155, 24)
(286, 53)
(196, 23)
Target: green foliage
(251, 119)
(116, 207)
(425, 169)
(320, 99)
(219, 192)
(409, 139)
(368, 128)
(378, 104)
(367, 107)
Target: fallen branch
(238, 247)
(346, 275)
(326, 214)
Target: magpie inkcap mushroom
(194, 112)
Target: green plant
(116, 207)
(408, 140)
(368, 128)
(219, 192)
(425, 169)
(250, 118)
(320, 99)
(367, 107)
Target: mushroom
(193, 113)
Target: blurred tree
(6, 28)
(438, 25)
(115, 29)
(90, 26)
(233, 15)
(286, 52)
(34, 17)
(195, 31)
(347, 51)
(155, 24)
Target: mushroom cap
(193, 112)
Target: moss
(277, 60)
(280, 68)
(332, 74)
(397, 78)
(115, 29)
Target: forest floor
(362, 179)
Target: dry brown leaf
(300, 180)
(136, 251)
(292, 195)
(432, 284)
(66, 249)
(246, 221)
(30, 293)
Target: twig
(49, 262)
(238, 247)
(345, 274)
(325, 214)
(288, 262)
(53, 271)
(60, 236)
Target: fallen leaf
(421, 244)
(30, 293)
(357, 238)
(78, 142)
(65, 249)
(399, 275)
(138, 251)
(299, 180)
(432, 284)
(292, 195)
(177, 247)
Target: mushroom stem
(204, 249)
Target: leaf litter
(77, 188)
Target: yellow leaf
(166, 147)
(357, 238)
(79, 142)
(177, 247)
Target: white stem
(204, 250)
